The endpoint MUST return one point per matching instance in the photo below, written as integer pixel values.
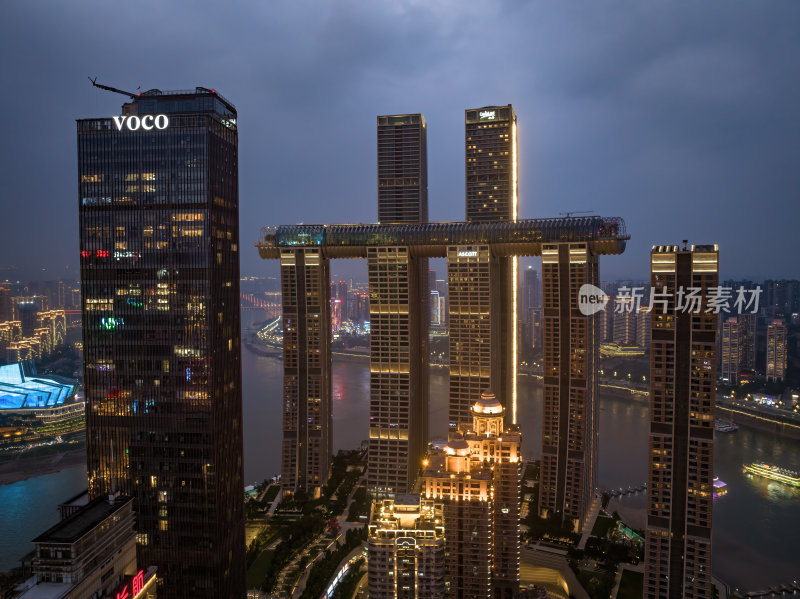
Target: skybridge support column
(570, 410)
(307, 427)
(398, 406)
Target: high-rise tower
(483, 318)
(159, 241)
(731, 351)
(570, 356)
(776, 350)
(399, 313)
(683, 364)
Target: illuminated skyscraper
(625, 320)
(399, 313)
(776, 350)
(478, 481)
(402, 169)
(683, 364)
(406, 546)
(159, 242)
(306, 444)
(570, 355)
(731, 351)
(483, 285)
(748, 324)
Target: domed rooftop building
(487, 415)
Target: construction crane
(569, 214)
(112, 89)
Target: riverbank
(37, 462)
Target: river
(755, 524)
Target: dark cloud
(680, 117)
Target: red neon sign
(85, 253)
(138, 586)
(102, 253)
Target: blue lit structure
(21, 389)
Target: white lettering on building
(147, 122)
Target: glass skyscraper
(159, 241)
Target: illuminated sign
(110, 323)
(132, 590)
(147, 122)
(487, 115)
(467, 253)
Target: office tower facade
(535, 327)
(478, 481)
(730, 351)
(402, 169)
(306, 444)
(487, 356)
(776, 350)
(748, 328)
(406, 549)
(341, 293)
(683, 364)
(399, 313)
(159, 243)
(531, 290)
(570, 418)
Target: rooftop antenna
(112, 89)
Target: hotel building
(477, 479)
(159, 247)
(482, 283)
(776, 350)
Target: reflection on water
(29, 507)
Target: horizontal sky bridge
(605, 235)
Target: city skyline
(685, 110)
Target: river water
(755, 525)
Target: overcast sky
(681, 117)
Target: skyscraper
(402, 169)
(406, 549)
(399, 313)
(478, 481)
(159, 241)
(748, 324)
(625, 319)
(731, 351)
(776, 350)
(307, 443)
(683, 365)
(570, 355)
(483, 316)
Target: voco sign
(147, 122)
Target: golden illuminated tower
(483, 284)
(683, 365)
(478, 480)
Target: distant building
(683, 363)
(643, 327)
(776, 350)
(731, 351)
(406, 549)
(625, 320)
(748, 328)
(91, 552)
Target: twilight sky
(681, 117)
